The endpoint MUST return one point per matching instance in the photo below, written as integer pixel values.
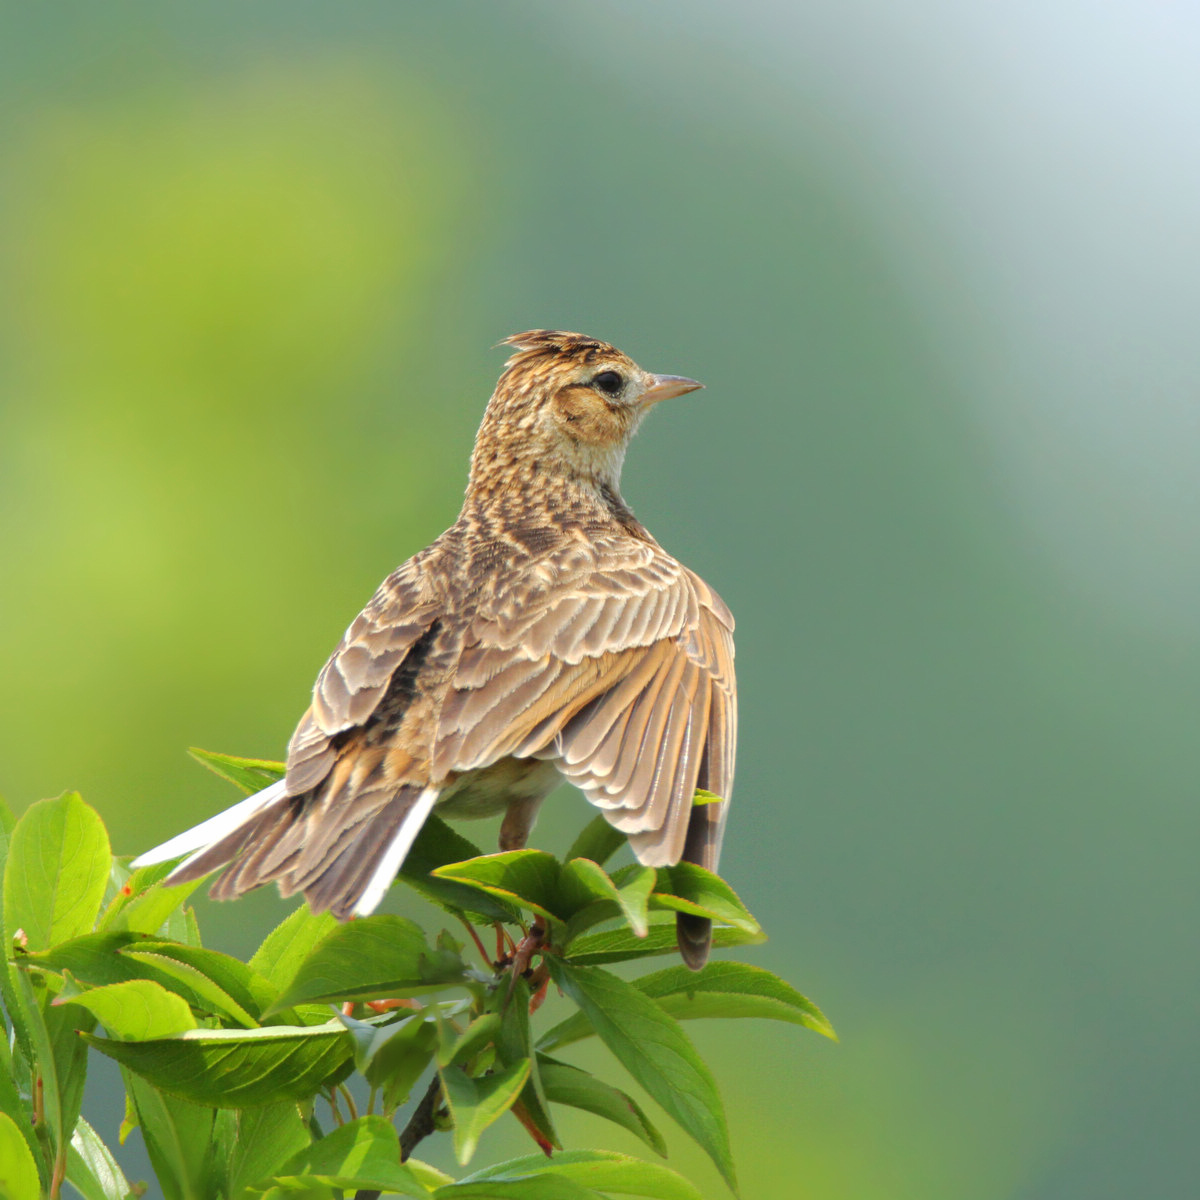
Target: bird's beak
(664, 387)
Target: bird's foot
(528, 946)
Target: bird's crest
(537, 342)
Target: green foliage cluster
(231, 1067)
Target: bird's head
(566, 405)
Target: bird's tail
(273, 837)
(230, 827)
(706, 828)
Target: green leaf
(379, 957)
(476, 1103)
(212, 998)
(691, 889)
(598, 841)
(457, 1049)
(27, 1006)
(262, 1140)
(99, 959)
(22, 1044)
(704, 797)
(289, 944)
(564, 1084)
(582, 882)
(191, 930)
(721, 989)
(64, 1024)
(526, 878)
(10, 1099)
(178, 1137)
(93, 958)
(514, 1043)
(136, 1011)
(621, 945)
(360, 1154)
(237, 1068)
(438, 844)
(397, 1058)
(654, 1049)
(732, 989)
(601, 1170)
(250, 774)
(18, 1171)
(91, 1169)
(589, 896)
(431, 1177)
(546, 1186)
(124, 886)
(239, 991)
(5, 837)
(58, 863)
(150, 911)
(129, 1122)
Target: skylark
(544, 636)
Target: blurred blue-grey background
(939, 266)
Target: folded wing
(620, 672)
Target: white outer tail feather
(395, 854)
(198, 839)
(195, 841)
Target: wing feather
(358, 673)
(620, 672)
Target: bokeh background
(938, 264)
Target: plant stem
(59, 1174)
(487, 962)
(423, 1120)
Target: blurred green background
(938, 266)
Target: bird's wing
(356, 677)
(618, 667)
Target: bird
(544, 636)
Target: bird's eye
(609, 382)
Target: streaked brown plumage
(544, 635)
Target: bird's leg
(518, 822)
(514, 833)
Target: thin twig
(423, 1121)
(487, 962)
